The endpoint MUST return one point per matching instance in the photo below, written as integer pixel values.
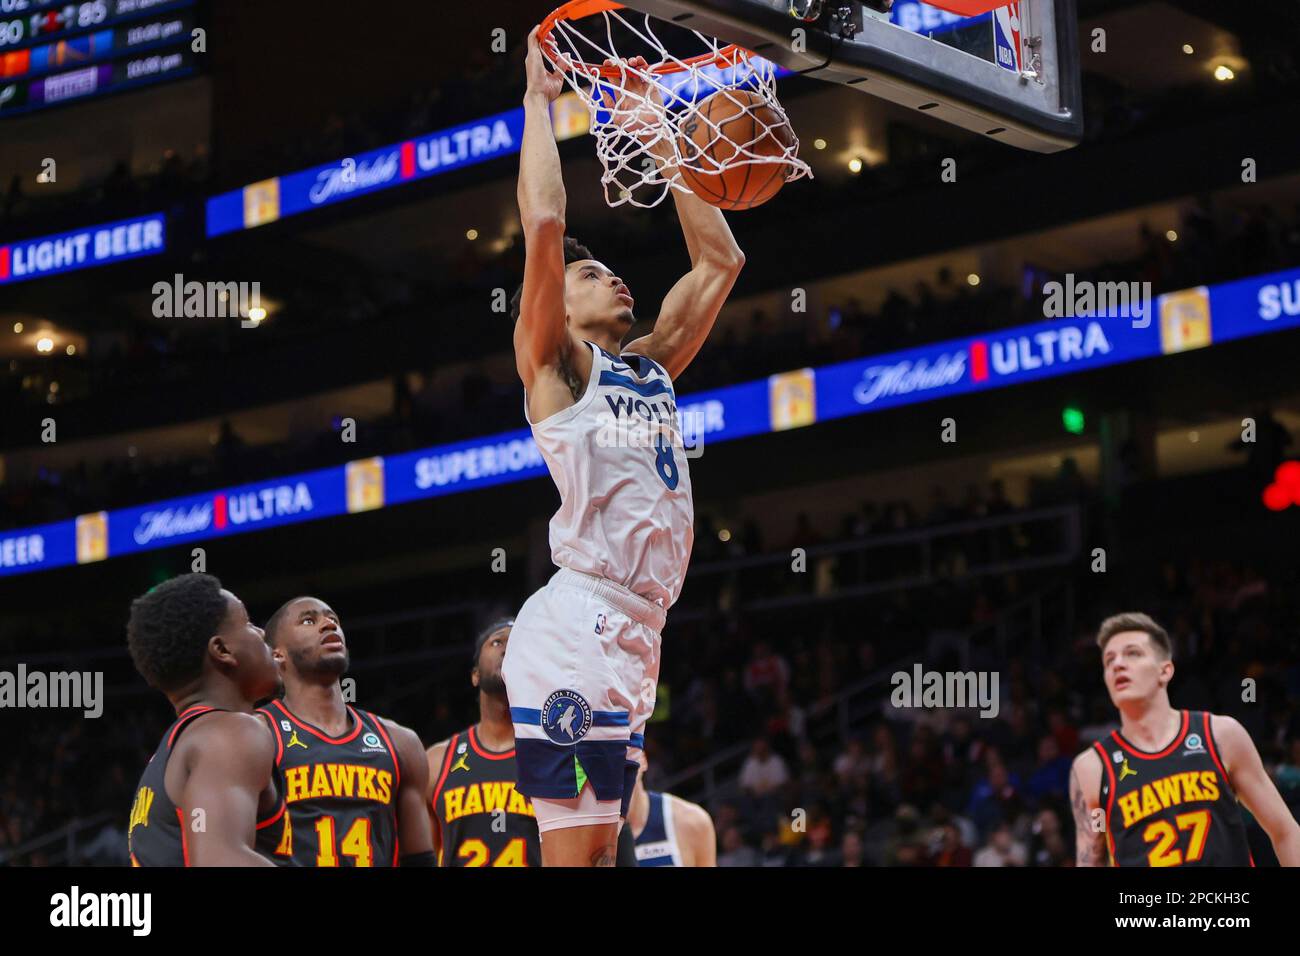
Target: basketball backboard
(1011, 74)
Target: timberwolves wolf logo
(566, 717)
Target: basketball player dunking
(583, 659)
(668, 830)
(1168, 781)
(354, 783)
(209, 796)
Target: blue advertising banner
(1177, 322)
(293, 193)
(83, 248)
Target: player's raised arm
(229, 758)
(413, 838)
(1085, 784)
(540, 333)
(1255, 789)
(692, 305)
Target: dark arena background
(907, 463)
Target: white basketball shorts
(580, 671)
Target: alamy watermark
(55, 690)
(636, 423)
(1083, 299)
(946, 690)
(133, 911)
(179, 299)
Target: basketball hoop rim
(729, 55)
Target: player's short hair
(275, 620)
(574, 251)
(169, 628)
(1136, 621)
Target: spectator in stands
(906, 846)
(735, 852)
(852, 766)
(948, 850)
(1002, 849)
(1052, 776)
(764, 771)
(818, 848)
(767, 674)
(996, 799)
(852, 852)
(1048, 845)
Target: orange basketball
(728, 121)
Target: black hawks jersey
(341, 792)
(155, 835)
(473, 786)
(1172, 808)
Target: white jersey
(616, 456)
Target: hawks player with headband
(477, 815)
(1168, 781)
(583, 659)
(354, 782)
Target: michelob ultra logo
(365, 479)
(92, 537)
(793, 399)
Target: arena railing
(1027, 623)
(932, 547)
(69, 835)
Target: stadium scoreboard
(54, 52)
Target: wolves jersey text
(616, 456)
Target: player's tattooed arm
(1089, 832)
(228, 759)
(413, 834)
(1255, 788)
(436, 754)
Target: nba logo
(1007, 39)
(600, 624)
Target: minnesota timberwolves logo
(566, 717)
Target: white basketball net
(640, 117)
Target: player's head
(190, 630)
(307, 641)
(1136, 657)
(489, 652)
(595, 299)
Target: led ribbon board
(1178, 322)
